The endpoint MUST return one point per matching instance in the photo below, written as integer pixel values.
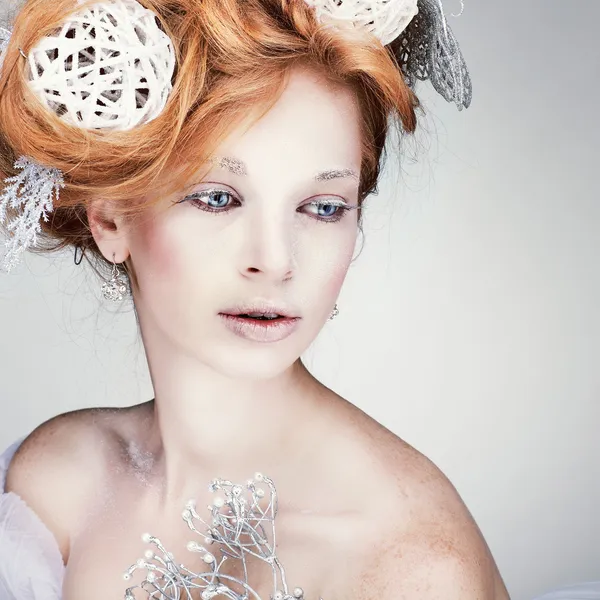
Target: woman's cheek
(330, 266)
(155, 253)
(168, 241)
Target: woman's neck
(202, 425)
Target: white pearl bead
(208, 558)
(209, 540)
(149, 554)
(260, 493)
(126, 576)
(298, 592)
(218, 502)
(140, 562)
(278, 596)
(146, 537)
(258, 476)
(186, 515)
(151, 577)
(191, 504)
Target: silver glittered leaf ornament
(31, 193)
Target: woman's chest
(316, 554)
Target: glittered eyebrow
(335, 174)
(235, 166)
(238, 167)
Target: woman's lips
(260, 330)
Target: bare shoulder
(427, 544)
(59, 466)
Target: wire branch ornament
(234, 535)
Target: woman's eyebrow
(335, 174)
(238, 167)
(235, 166)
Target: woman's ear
(109, 230)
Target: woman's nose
(269, 251)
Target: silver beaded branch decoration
(32, 192)
(236, 534)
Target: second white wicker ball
(385, 19)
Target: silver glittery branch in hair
(235, 535)
(4, 39)
(427, 49)
(32, 193)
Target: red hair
(231, 55)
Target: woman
(234, 213)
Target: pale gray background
(470, 324)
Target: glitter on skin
(141, 461)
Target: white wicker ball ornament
(109, 67)
(385, 19)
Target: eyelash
(194, 198)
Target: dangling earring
(115, 288)
(334, 313)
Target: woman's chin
(253, 364)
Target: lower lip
(260, 331)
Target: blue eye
(213, 200)
(329, 212)
(218, 200)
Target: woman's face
(264, 230)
